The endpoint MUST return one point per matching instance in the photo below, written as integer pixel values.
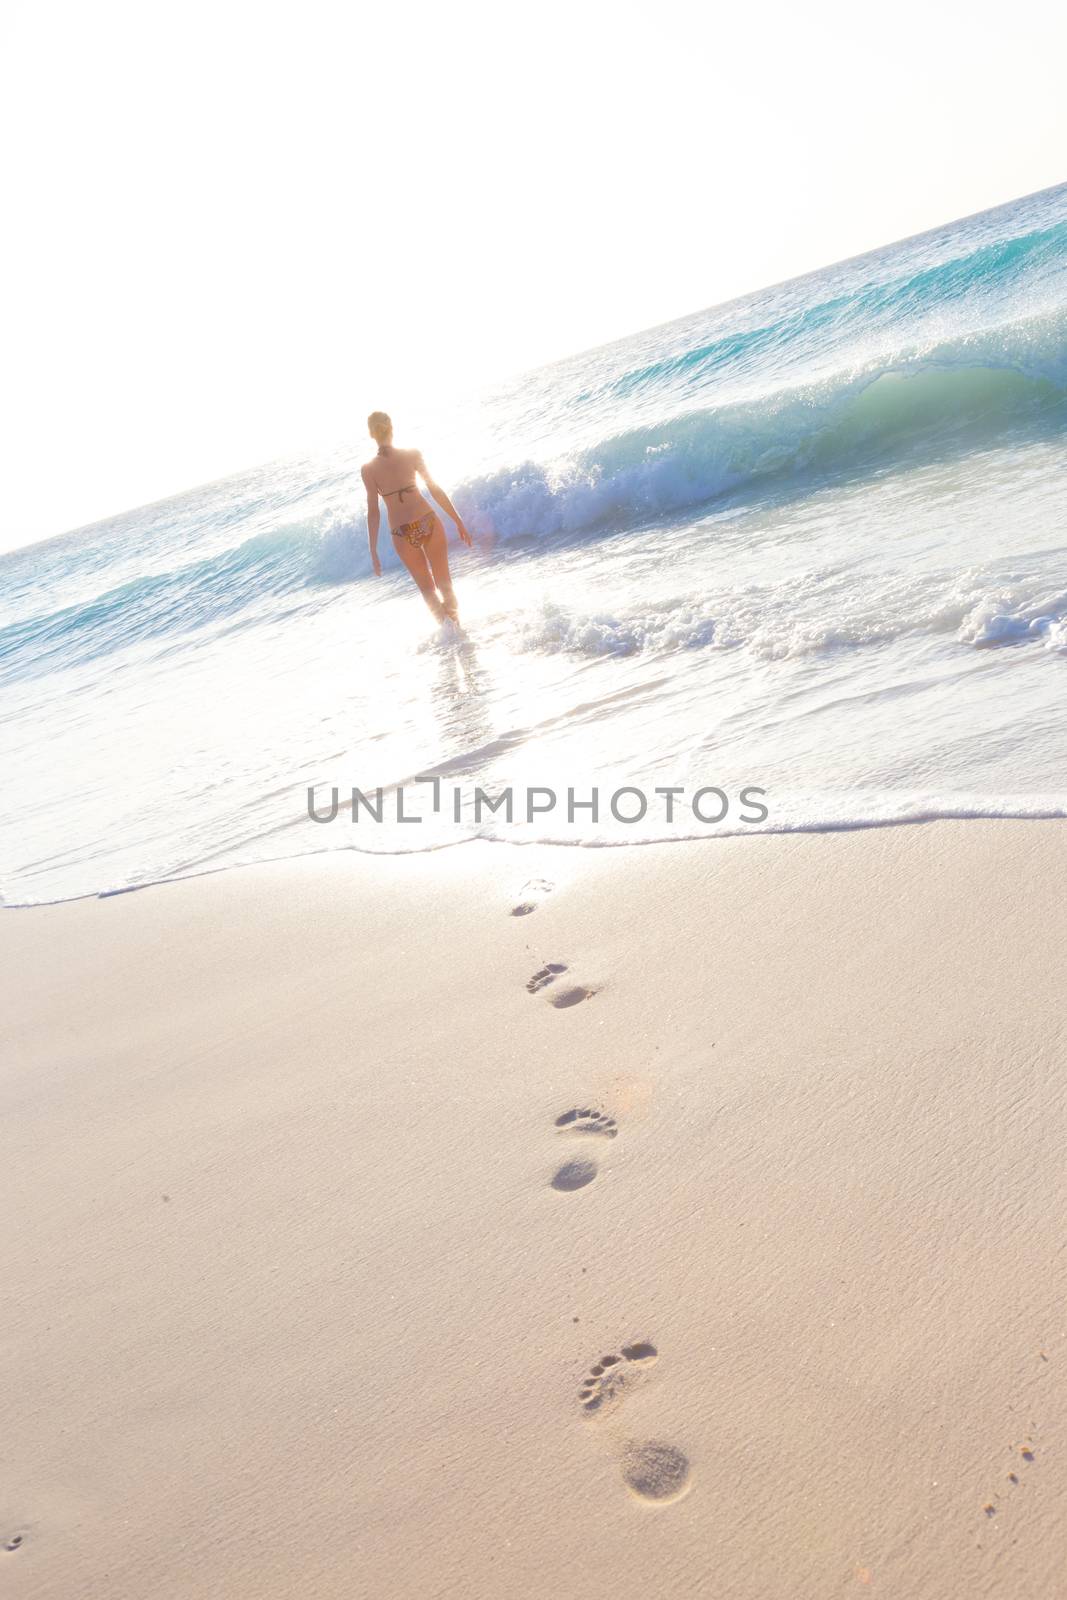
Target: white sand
(291, 1307)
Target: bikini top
(408, 488)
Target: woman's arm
(442, 499)
(374, 516)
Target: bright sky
(235, 227)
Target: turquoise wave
(924, 349)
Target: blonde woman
(418, 532)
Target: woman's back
(393, 471)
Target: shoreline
(785, 831)
(329, 1197)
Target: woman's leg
(418, 566)
(436, 548)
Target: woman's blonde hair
(380, 425)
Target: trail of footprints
(654, 1472)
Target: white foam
(1010, 616)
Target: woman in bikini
(417, 530)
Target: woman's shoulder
(406, 458)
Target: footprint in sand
(583, 1120)
(610, 1377)
(656, 1473)
(587, 1119)
(574, 1175)
(546, 975)
(531, 894)
(570, 997)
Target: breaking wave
(953, 396)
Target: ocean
(794, 562)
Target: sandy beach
(509, 1222)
